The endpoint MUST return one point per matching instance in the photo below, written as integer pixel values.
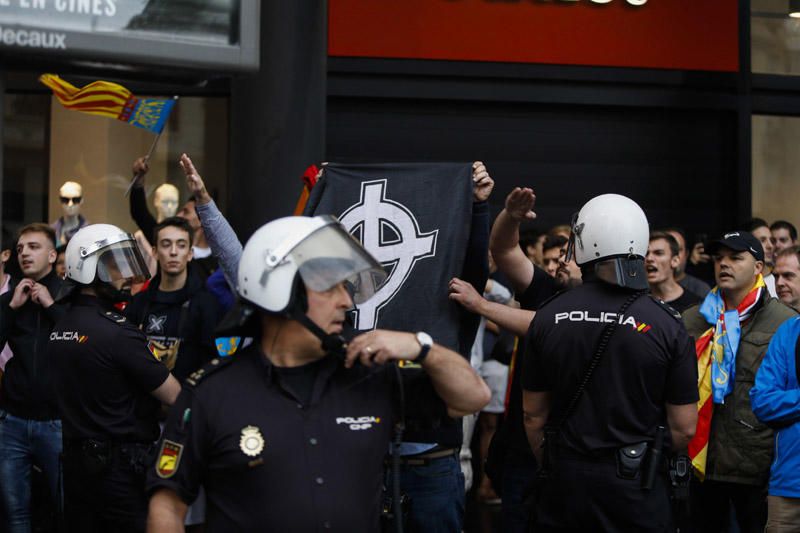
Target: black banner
(415, 219)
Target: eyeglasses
(66, 200)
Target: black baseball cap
(740, 241)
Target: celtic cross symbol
(390, 232)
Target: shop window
(776, 168)
(46, 145)
(98, 153)
(775, 38)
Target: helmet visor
(122, 261)
(628, 272)
(330, 256)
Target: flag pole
(140, 175)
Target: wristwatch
(425, 341)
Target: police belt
(424, 459)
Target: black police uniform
(280, 449)
(650, 361)
(104, 373)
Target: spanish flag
(111, 100)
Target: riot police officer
(290, 433)
(109, 385)
(610, 383)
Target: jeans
(24, 443)
(436, 491)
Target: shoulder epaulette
(667, 308)
(212, 366)
(114, 317)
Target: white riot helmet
(612, 230)
(104, 253)
(289, 254)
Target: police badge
(251, 442)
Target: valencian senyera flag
(415, 219)
(111, 100)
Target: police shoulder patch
(114, 317)
(212, 366)
(666, 308)
(169, 458)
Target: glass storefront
(775, 38)
(776, 168)
(46, 145)
(775, 50)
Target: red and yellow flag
(98, 98)
(111, 100)
(698, 446)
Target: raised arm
(137, 200)
(454, 380)
(504, 240)
(224, 243)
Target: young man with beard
(732, 451)
(661, 262)
(176, 313)
(30, 425)
(553, 251)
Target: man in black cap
(732, 451)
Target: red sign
(670, 34)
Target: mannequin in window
(71, 196)
(165, 201)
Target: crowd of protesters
(749, 480)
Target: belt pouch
(630, 459)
